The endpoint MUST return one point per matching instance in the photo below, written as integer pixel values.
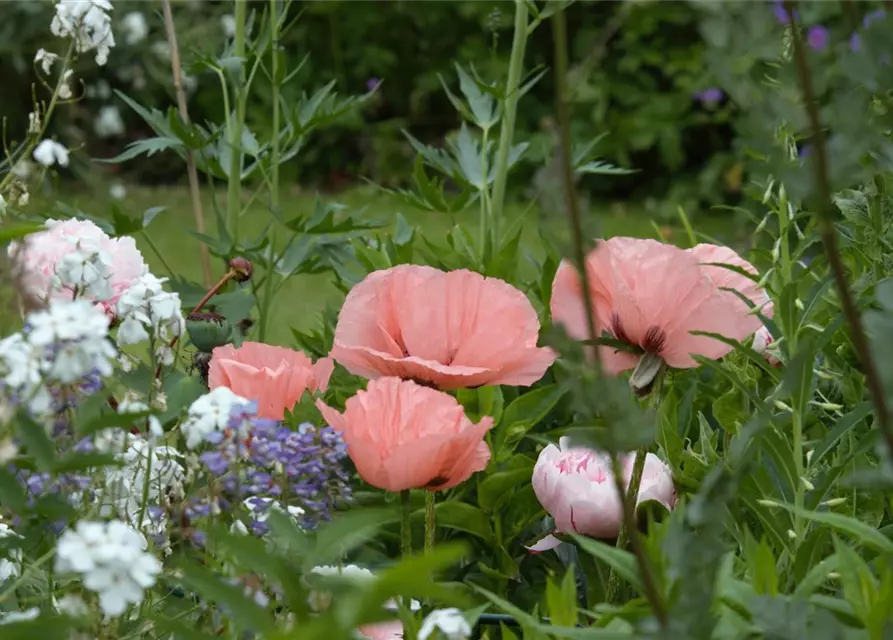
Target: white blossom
(118, 191)
(109, 122)
(87, 270)
(20, 616)
(112, 560)
(21, 373)
(45, 59)
(210, 412)
(451, 624)
(88, 23)
(65, 92)
(74, 337)
(228, 23)
(146, 307)
(24, 198)
(11, 565)
(72, 605)
(50, 152)
(34, 122)
(135, 27)
(320, 600)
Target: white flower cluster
(87, 271)
(88, 23)
(11, 565)
(146, 307)
(135, 27)
(209, 413)
(50, 152)
(61, 344)
(112, 560)
(448, 624)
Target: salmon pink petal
(454, 330)
(712, 256)
(392, 630)
(544, 544)
(567, 305)
(322, 373)
(401, 435)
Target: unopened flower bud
(242, 268)
(807, 484)
(208, 330)
(833, 502)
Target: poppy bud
(208, 330)
(242, 267)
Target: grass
(304, 297)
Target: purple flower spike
(709, 96)
(818, 37)
(781, 13)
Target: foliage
(780, 454)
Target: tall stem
(233, 201)
(559, 31)
(274, 169)
(405, 523)
(829, 234)
(512, 94)
(191, 171)
(429, 521)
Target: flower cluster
(11, 564)
(88, 23)
(112, 561)
(147, 310)
(263, 463)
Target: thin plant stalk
(234, 209)
(829, 234)
(559, 31)
(191, 171)
(277, 116)
(405, 523)
(510, 110)
(429, 521)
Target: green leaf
(842, 427)
(347, 531)
(109, 420)
(522, 415)
(12, 495)
(497, 489)
(244, 613)
(623, 562)
(8, 234)
(36, 441)
(864, 533)
(562, 600)
(464, 517)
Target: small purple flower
(805, 151)
(709, 96)
(872, 17)
(855, 42)
(781, 13)
(372, 84)
(215, 462)
(818, 37)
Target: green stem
(429, 521)
(783, 234)
(236, 124)
(486, 203)
(274, 169)
(630, 499)
(405, 523)
(512, 94)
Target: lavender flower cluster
(262, 463)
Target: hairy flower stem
(405, 523)
(236, 122)
(559, 31)
(429, 521)
(191, 171)
(829, 233)
(274, 64)
(507, 131)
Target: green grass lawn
(304, 296)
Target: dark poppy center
(655, 338)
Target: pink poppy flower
(576, 486)
(452, 330)
(274, 376)
(401, 435)
(37, 256)
(652, 296)
(712, 257)
(392, 630)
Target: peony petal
(544, 544)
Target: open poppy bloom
(652, 296)
(275, 377)
(401, 435)
(576, 486)
(450, 330)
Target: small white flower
(50, 152)
(146, 306)
(450, 622)
(87, 270)
(228, 23)
(11, 565)
(24, 198)
(109, 122)
(118, 191)
(9, 450)
(34, 122)
(45, 59)
(162, 49)
(211, 412)
(65, 92)
(88, 23)
(72, 605)
(20, 616)
(2, 206)
(112, 560)
(135, 27)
